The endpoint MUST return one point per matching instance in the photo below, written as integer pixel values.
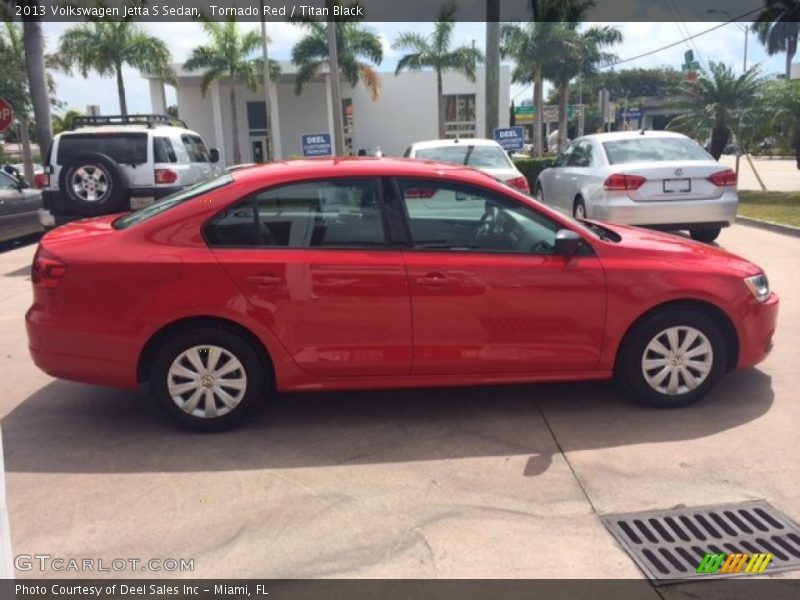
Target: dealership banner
(364, 10)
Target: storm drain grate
(670, 545)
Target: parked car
(485, 155)
(653, 179)
(19, 204)
(365, 274)
(109, 164)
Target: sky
(725, 44)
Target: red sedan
(379, 273)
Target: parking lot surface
(496, 482)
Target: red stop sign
(6, 115)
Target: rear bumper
(757, 328)
(78, 354)
(679, 214)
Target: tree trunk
(538, 116)
(719, 139)
(440, 103)
(37, 82)
(237, 151)
(25, 142)
(791, 50)
(123, 104)
(492, 83)
(563, 92)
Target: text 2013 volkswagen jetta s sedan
(377, 273)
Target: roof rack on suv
(149, 120)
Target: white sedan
(481, 154)
(655, 179)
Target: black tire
(215, 338)
(579, 206)
(630, 371)
(105, 181)
(539, 193)
(705, 235)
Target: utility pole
(336, 94)
(271, 150)
(492, 67)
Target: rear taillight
(622, 182)
(521, 183)
(420, 192)
(47, 270)
(166, 176)
(723, 178)
(41, 180)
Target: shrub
(531, 167)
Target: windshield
(487, 157)
(172, 200)
(648, 149)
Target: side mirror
(567, 242)
(213, 154)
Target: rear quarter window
(123, 148)
(163, 152)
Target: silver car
(655, 179)
(18, 206)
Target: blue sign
(316, 144)
(510, 138)
(632, 113)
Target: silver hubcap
(677, 360)
(90, 182)
(206, 381)
(580, 212)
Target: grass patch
(778, 207)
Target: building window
(459, 115)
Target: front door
(313, 261)
(488, 294)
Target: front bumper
(718, 212)
(756, 330)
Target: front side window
(455, 217)
(581, 155)
(487, 157)
(651, 148)
(563, 158)
(6, 182)
(328, 213)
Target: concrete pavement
(778, 175)
(494, 482)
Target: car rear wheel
(672, 359)
(579, 209)
(539, 193)
(207, 378)
(705, 235)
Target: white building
(794, 72)
(405, 112)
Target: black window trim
(409, 243)
(250, 198)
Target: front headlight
(758, 286)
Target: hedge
(531, 167)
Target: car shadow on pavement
(72, 428)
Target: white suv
(110, 164)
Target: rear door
(488, 294)
(17, 208)
(313, 260)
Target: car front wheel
(207, 378)
(673, 358)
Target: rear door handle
(434, 279)
(264, 280)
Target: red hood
(667, 246)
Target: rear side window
(329, 213)
(195, 148)
(163, 152)
(123, 148)
(648, 148)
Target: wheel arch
(713, 312)
(150, 348)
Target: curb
(769, 226)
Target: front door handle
(264, 280)
(434, 279)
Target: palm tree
(64, 122)
(436, 52)
(716, 103)
(38, 81)
(354, 45)
(228, 55)
(105, 47)
(14, 85)
(778, 28)
(576, 53)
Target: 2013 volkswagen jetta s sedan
(377, 273)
